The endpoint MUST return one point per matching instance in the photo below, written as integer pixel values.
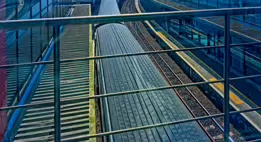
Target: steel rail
(191, 94)
(11, 24)
(142, 34)
(195, 98)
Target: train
(135, 73)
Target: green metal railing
(57, 22)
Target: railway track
(197, 103)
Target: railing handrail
(56, 22)
(28, 23)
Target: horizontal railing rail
(56, 22)
(127, 17)
(164, 124)
(73, 99)
(125, 55)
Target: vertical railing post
(48, 36)
(208, 43)
(208, 39)
(17, 55)
(53, 9)
(57, 105)
(215, 53)
(62, 7)
(226, 77)
(244, 58)
(31, 35)
(41, 40)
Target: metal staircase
(38, 123)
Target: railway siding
(165, 65)
(252, 117)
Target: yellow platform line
(219, 86)
(206, 79)
(234, 90)
(92, 116)
(235, 101)
(232, 96)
